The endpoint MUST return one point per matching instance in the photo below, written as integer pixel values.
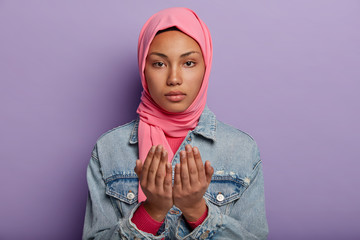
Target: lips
(175, 96)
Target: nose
(174, 77)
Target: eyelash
(161, 64)
(156, 64)
(191, 62)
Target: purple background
(287, 72)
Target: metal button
(130, 195)
(174, 212)
(220, 197)
(205, 234)
(189, 139)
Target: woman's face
(174, 70)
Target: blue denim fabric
(235, 197)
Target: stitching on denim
(120, 196)
(257, 164)
(254, 175)
(133, 135)
(94, 152)
(238, 182)
(95, 157)
(123, 175)
(247, 134)
(207, 130)
(255, 171)
(214, 127)
(111, 130)
(228, 200)
(231, 198)
(97, 160)
(228, 178)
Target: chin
(175, 109)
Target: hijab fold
(155, 123)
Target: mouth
(175, 96)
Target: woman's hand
(156, 182)
(191, 181)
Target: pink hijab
(154, 121)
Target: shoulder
(227, 140)
(119, 134)
(116, 149)
(116, 139)
(225, 131)
(237, 144)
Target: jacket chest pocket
(123, 192)
(225, 190)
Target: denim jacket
(235, 197)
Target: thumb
(209, 171)
(138, 168)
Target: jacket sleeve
(246, 219)
(101, 220)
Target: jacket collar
(206, 126)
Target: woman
(173, 193)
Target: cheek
(149, 76)
(196, 80)
(153, 88)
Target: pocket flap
(123, 187)
(224, 189)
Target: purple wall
(287, 72)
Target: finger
(184, 171)
(177, 178)
(209, 171)
(161, 171)
(138, 168)
(154, 166)
(149, 157)
(199, 164)
(168, 179)
(193, 173)
(146, 165)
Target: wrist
(145, 222)
(195, 212)
(156, 214)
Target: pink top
(146, 223)
(174, 142)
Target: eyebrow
(182, 55)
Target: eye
(189, 64)
(158, 64)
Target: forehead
(173, 41)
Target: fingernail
(182, 154)
(152, 149)
(159, 148)
(164, 153)
(188, 148)
(196, 151)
